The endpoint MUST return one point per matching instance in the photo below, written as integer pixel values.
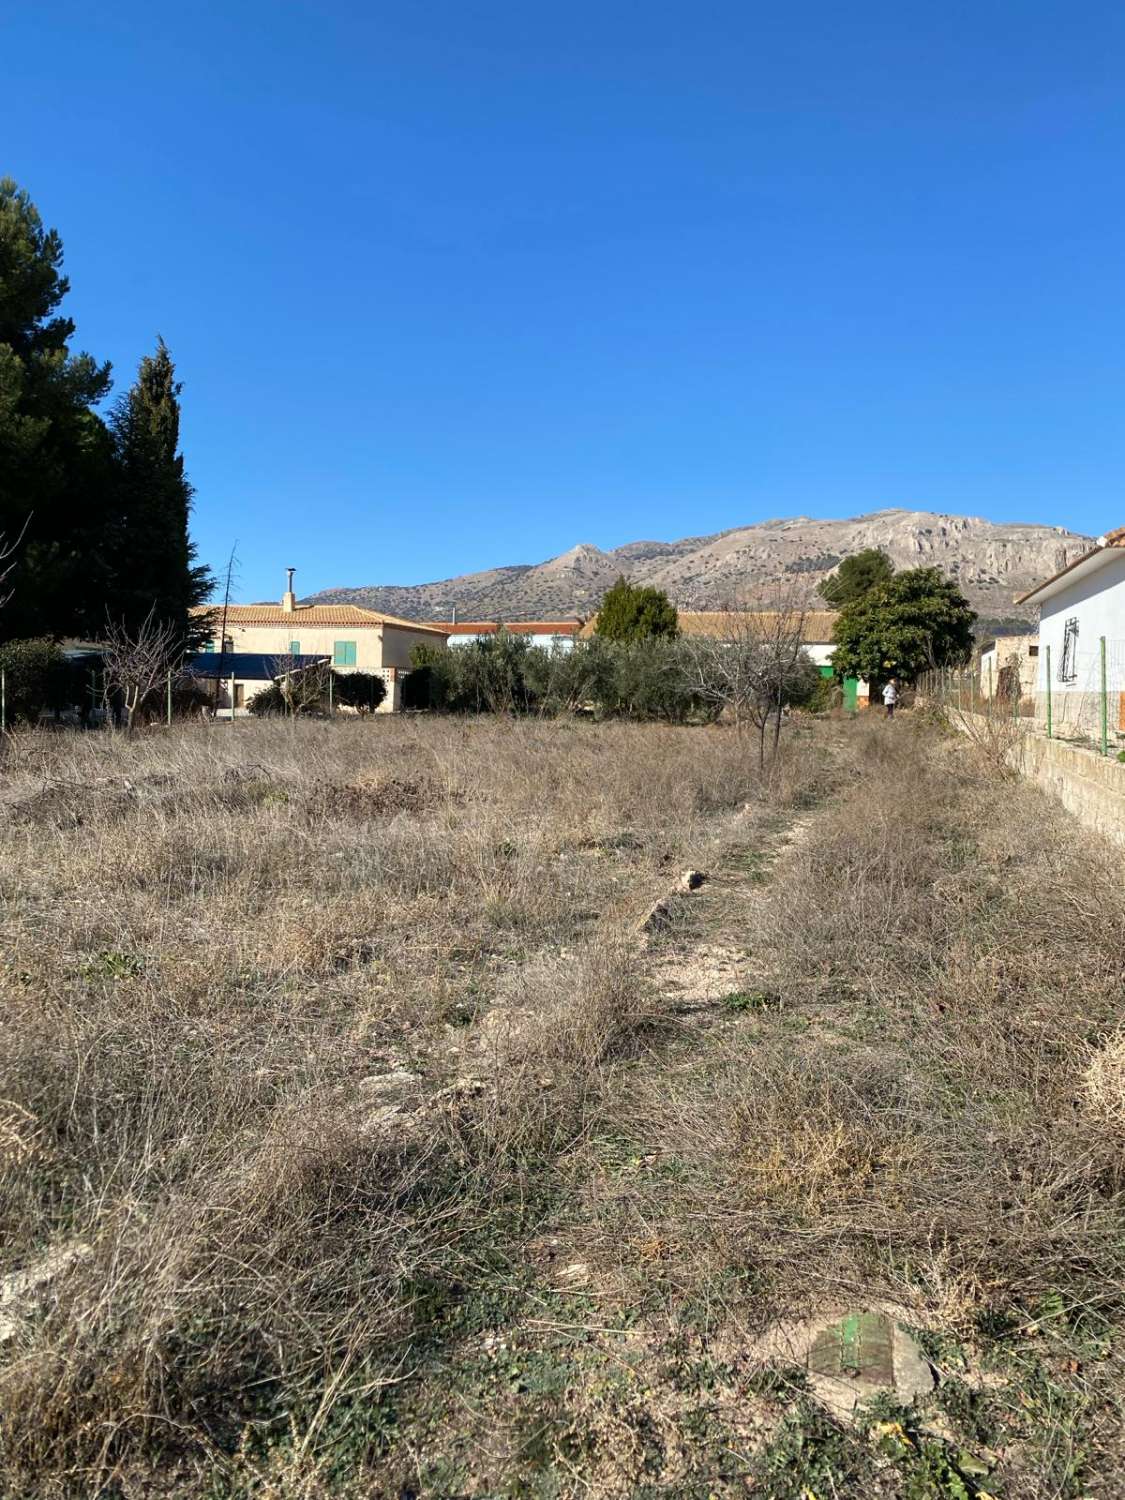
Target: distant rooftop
(816, 624)
(513, 627)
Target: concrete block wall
(1089, 785)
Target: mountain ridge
(993, 561)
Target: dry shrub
(970, 935)
(821, 1132)
(901, 1122)
(213, 942)
(1103, 1086)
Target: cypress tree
(631, 612)
(54, 449)
(152, 503)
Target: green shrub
(362, 690)
(271, 700)
(37, 677)
(432, 679)
(820, 696)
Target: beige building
(1009, 663)
(353, 639)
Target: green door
(851, 688)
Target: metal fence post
(331, 699)
(169, 700)
(3, 702)
(1105, 718)
(1049, 725)
(990, 703)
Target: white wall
(565, 642)
(1097, 602)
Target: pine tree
(54, 449)
(152, 503)
(857, 575)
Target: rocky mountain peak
(992, 561)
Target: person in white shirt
(890, 697)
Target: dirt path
(718, 960)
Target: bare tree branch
(8, 558)
(746, 661)
(138, 662)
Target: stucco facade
(1005, 655)
(351, 638)
(1079, 609)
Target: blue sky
(455, 283)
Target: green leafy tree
(916, 620)
(856, 576)
(632, 612)
(492, 675)
(649, 682)
(54, 449)
(152, 497)
(572, 679)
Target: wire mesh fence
(1076, 695)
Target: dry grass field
(356, 1140)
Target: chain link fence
(1080, 699)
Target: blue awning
(249, 666)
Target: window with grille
(1068, 666)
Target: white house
(548, 633)
(1082, 626)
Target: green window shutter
(294, 648)
(343, 654)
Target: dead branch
(139, 662)
(8, 558)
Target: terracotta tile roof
(515, 627)
(816, 625)
(312, 614)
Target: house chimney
(454, 620)
(288, 599)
